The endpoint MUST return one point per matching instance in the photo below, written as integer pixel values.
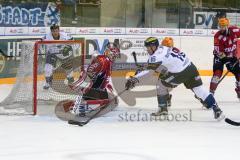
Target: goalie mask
(65, 52)
(112, 51)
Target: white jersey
(56, 48)
(63, 36)
(171, 58)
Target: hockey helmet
(151, 41)
(167, 41)
(223, 22)
(54, 26)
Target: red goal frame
(35, 63)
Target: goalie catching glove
(67, 51)
(131, 83)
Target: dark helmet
(151, 41)
(54, 26)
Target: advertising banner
(16, 30)
(87, 30)
(165, 31)
(204, 20)
(38, 30)
(127, 46)
(28, 14)
(212, 32)
(108, 30)
(193, 32)
(139, 31)
(2, 31)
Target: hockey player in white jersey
(174, 68)
(62, 52)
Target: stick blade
(229, 121)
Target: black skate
(163, 111)
(46, 86)
(218, 114)
(48, 83)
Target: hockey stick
(139, 67)
(95, 114)
(228, 72)
(135, 58)
(234, 123)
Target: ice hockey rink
(113, 138)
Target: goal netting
(66, 59)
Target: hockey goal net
(66, 62)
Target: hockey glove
(140, 68)
(92, 76)
(67, 51)
(131, 82)
(221, 55)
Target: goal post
(28, 91)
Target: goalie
(94, 84)
(57, 52)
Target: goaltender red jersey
(100, 71)
(226, 41)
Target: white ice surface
(110, 138)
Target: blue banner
(29, 14)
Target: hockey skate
(163, 111)
(218, 114)
(46, 86)
(48, 83)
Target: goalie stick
(101, 108)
